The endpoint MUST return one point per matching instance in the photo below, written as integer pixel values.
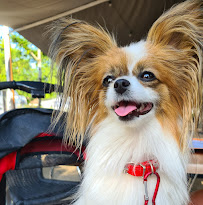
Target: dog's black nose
(121, 85)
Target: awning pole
(39, 65)
(10, 98)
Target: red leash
(156, 188)
(145, 169)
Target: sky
(1, 31)
(2, 34)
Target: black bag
(26, 132)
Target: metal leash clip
(146, 196)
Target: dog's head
(160, 77)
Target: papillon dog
(138, 104)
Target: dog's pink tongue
(124, 110)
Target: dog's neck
(113, 146)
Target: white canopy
(129, 19)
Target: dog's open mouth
(127, 110)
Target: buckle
(144, 169)
(152, 168)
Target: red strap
(54, 145)
(51, 145)
(44, 134)
(7, 163)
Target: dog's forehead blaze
(114, 62)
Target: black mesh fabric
(28, 187)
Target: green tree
(24, 64)
(2, 63)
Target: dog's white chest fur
(112, 147)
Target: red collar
(141, 169)
(144, 170)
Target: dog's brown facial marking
(109, 66)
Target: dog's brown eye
(107, 80)
(147, 76)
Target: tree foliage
(2, 63)
(24, 64)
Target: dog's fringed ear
(75, 48)
(72, 38)
(179, 26)
(180, 32)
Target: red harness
(144, 170)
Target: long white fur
(116, 143)
(112, 147)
